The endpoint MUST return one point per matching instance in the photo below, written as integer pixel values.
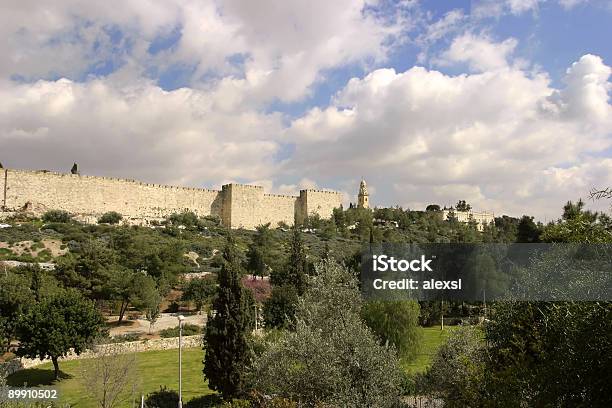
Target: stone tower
(363, 199)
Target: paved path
(165, 321)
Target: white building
(481, 218)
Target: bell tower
(363, 199)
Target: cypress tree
(294, 273)
(289, 283)
(226, 339)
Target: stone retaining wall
(127, 347)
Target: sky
(504, 104)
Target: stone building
(88, 197)
(480, 218)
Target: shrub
(457, 370)
(123, 338)
(237, 403)
(203, 249)
(44, 256)
(173, 307)
(188, 330)
(164, 398)
(111, 217)
(264, 401)
(186, 218)
(56, 216)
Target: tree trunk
(122, 309)
(55, 367)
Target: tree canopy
(57, 325)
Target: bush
(173, 307)
(56, 216)
(457, 370)
(264, 401)
(237, 403)
(188, 330)
(125, 338)
(111, 217)
(164, 398)
(186, 218)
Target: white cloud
(479, 52)
(285, 46)
(484, 137)
(586, 92)
(500, 137)
(569, 4)
(497, 8)
(139, 131)
(521, 6)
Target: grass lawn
(155, 368)
(433, 338)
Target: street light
(180, 401)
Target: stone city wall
(318, 202)
(96, 195)
(88, 197)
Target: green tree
(279, 309)
(555, 353)
(121, 287)
(15, 299)
(331, 358)
(295, 271)
(56, 216)
(528, 231)
(187, 218)
(146, 297)
(288, 283)
(111, 217)
(227, 352)
(199, 291)
(456, 374)
(396, 323)
(580, 227)
(329, 229)
(463, 206)
(339, 219)
(256, 263)
(51, 328)
(88, 269)
(43, 283)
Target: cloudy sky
(504, 104)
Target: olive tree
(332, 357)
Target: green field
(155, 368)
(433, 338)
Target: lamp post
(180, 401)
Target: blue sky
(502, 103)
